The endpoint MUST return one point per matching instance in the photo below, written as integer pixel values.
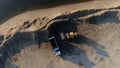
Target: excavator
(68, 35)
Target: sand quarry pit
(24, 38)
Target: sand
(97, 46)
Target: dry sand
(97, 46)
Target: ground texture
(24, 38)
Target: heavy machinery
(68, 35)
(55, 46)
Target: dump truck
(55, 46)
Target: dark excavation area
(61, 26)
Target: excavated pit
(62, 26)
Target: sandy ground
(97, 46)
